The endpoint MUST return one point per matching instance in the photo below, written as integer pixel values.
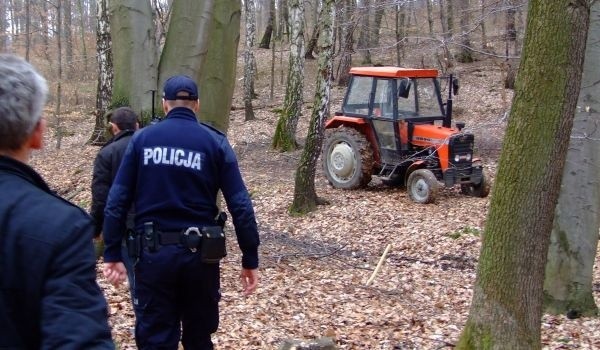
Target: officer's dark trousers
(175, 291)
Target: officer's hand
(249, 280)
(115, 272)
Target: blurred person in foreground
(49, 298)
(172, 172)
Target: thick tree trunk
(400, 34)
(217, 78)
(134, 55)
(506, 309)
(186, 53)
(569, 271)
(249, 60)
(285, 132)
(305, 196)
(105, 68)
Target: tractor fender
(414, 166)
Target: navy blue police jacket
(172, 172)
(49, 298)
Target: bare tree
(364, 35)
(265, 42)
(249, 60)
(465, 53)
(347, 27)
(305, 196)
(67, 14)
(285, 132)
(105, 69)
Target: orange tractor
(394, 124)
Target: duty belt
(190, 237)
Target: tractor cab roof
(394, 72)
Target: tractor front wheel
(481, 189)
(422, 186)
(347, 158)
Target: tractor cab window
(406, 98)
(428, 104)
(357, 99)
(383, 105)
(418, 98)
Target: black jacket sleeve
(101, 181)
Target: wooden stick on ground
(378, 267)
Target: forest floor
(314, 268)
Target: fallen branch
(385, 253)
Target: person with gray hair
(49, 298)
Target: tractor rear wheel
(481, 189)
(347, 158)
(422, 186)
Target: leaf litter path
(314, 267)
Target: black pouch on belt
(213, 244)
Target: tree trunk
(82, 28)
(186, 53)
(569, 271)
(265, 42)
(364, 36)
(400, 33)
(465, 54)
(284, 20)
(443, 20)
(430, 17)
(134, 55)
(482, 25)
(305, 196)
(249, 60)
(347, 29)
(506, 309)
(312, 43)
(510, 40)
(450, 18)
(45, 28)
(28, 27)
(105, 68)
(68, 35)
(285, 132)
(58, 129)
(218, 72)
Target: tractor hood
(427, 134)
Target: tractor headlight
(468, 157)
(456, 158)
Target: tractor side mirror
(404, 88)
(455, 86)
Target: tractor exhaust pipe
(447, 123)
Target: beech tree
(305, 196)
(506, 308)
(249, 60)
(569, 271)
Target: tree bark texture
(347, 32)
(249, 59)
(187, 41)
(217, 78)
(68, 35)
(465, 54)
(134, 55)
(105, 68)
(305, 196)
(285, 132)
(574, 239)
(364, 35)
(506, 309)
(265, 42)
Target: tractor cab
(397, 117)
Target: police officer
(172, 172)
(49, 298)
(123, 123)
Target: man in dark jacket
(49, 298)
(123, 123)
(172, 172)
